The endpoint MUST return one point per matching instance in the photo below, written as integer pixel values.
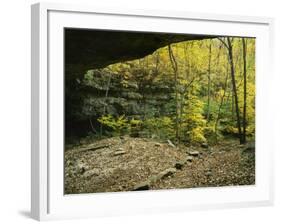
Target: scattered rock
(68, 163)
(142, 186)
(166, 173)
(194, 153)
(123, 139)
(81, 167)
(153, 179)
(250, 147)
(204, 145)
(100, 171)
(153, 136)
(208, 173)
(171, 144)
(90, 173)
(120, 151)
(93, 148)
(189, 158)
(117, 153)
(157, 144)
(179, 165)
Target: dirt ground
(123, 164)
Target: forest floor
(126, 164)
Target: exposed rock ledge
(91, 49)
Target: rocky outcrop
(91, 49)
(97, 96)
(95, 49)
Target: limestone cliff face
(104, 93)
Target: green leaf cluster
(118, 125)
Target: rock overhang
(92, 49)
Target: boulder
(166, 173)
(204, 145)
(81, 167)
(142, 186)
(90, 173)
(179, 165)
(153, 179)
(194, 153)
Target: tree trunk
(104, 108)
(244, 46)
(221, 102)
(175, 68)
(232, 72)
(209, 81)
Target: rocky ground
(126, 164)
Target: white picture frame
(48, 201)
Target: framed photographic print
(148, 111)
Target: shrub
(196, 135)
(193, 121)
(211, 135)
(118, 125)
(135, 127)
(161, 127)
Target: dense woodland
(194, 91)
(177, 118)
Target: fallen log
(146, 185)
(93, 148)
(171, 144)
